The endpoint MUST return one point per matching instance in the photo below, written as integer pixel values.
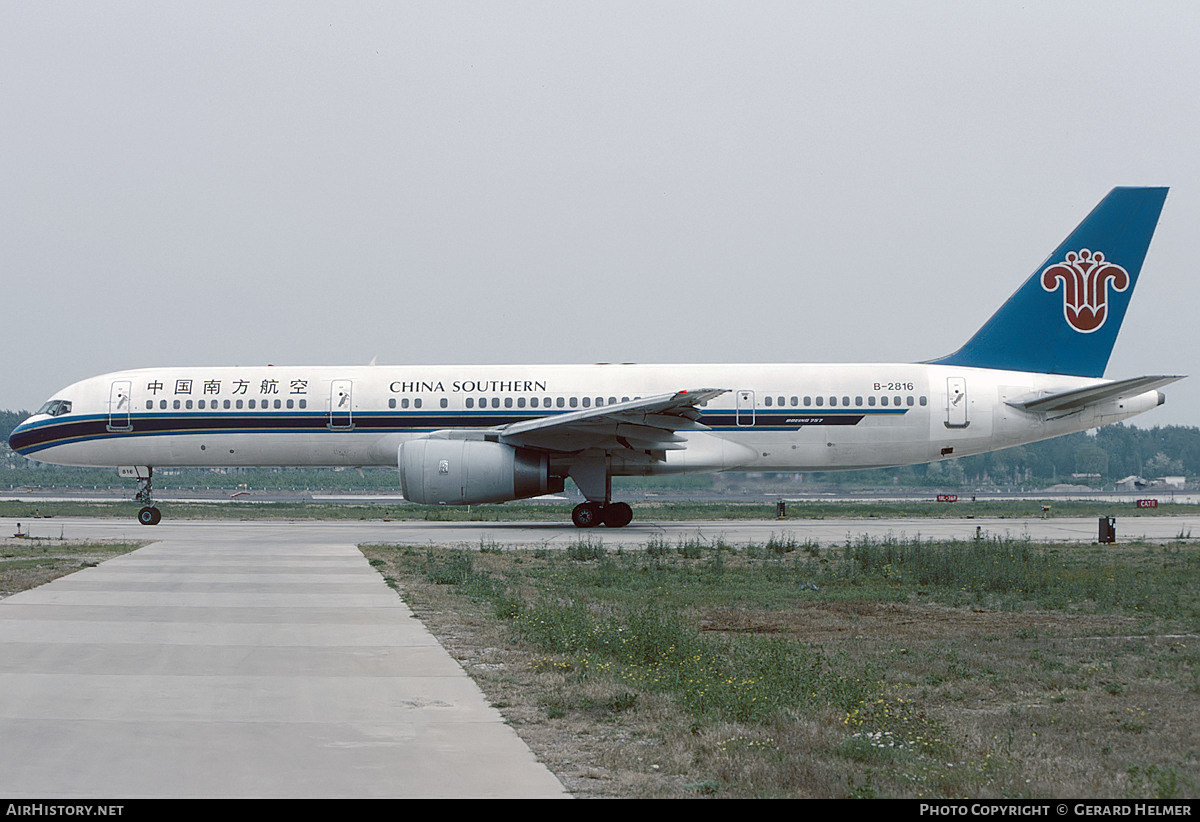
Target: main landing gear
(591, 514)
(591, 473)
(149, 513)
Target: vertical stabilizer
(1065, 318)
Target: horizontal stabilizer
(1078, 398)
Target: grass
(894, 668)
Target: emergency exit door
(745, 408)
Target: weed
(585, 549)
(456, 568)
(1156, 783)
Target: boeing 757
(463, 435)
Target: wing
(1077, 398)
(646, 424)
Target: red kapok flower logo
(1085, 276)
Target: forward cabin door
(341, 405)
(119, 406)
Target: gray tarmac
(268, 659)
(824, 532)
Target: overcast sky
(487, 182)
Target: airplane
(464, 435)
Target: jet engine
(467, 472)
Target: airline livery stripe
(81, 429)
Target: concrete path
(240, 663)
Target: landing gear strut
(149, 513)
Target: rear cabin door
(956, 403)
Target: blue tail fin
(1065, 318)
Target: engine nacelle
(468, 472)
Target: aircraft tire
(618, 515)
(587, 515)
(149, 515)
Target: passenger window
(444, 403)
(767, 401)
(560, 402)
(871, 401)
(470, 402)
(574, 402)
(508, 402)
(417, 402)
(391, 402)
(883, 400)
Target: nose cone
(19, 437)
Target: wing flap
(646, 424)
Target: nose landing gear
(149, 513)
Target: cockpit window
(56, 408)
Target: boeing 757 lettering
(464, 435)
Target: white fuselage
(772, 418)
